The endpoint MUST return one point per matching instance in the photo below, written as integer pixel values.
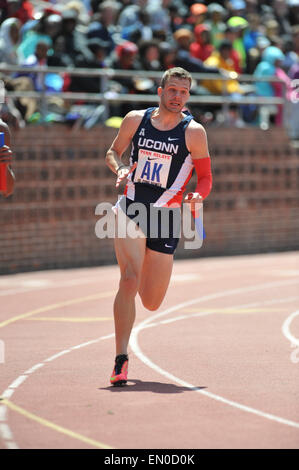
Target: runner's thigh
(130, 252)
(155, 277)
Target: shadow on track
(155, 387)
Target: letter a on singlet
(146, 171)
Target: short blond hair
(177, 72)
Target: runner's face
(175, 94)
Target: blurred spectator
(252, 7)
(271, 30)
(140, 30)
(20, 9)
(295, 40)
(271, 60)
(149, 55)
(103, 23)
(98, 49)
(251, 39)
(177, 13)
(130, 14)
(280, 12)
(75, 42)
(237, 8)
(239, 24)
(9, 41)
(126, 54)
(201, 48)
(293, 115)
(183, 58)
(293, 6)
(253, 32)
(39, 58)
(125, 59)
(30, 81)
(282, 89)
(291, 49)
(159, 16)
(58, 56)
(167, 55)
(81, 11)
(45, 29)
(198, 13)
(217, 25)
(231, 35)
(221, 59)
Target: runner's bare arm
(197, 144)
(123, 139)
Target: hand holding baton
(123, 172)
(195, 202)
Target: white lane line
(5, 432)
(56, 356)
(33, 369)
(3, 413)
(217, 295)
(16, 383)
(286, 328)
(145, 324)
(32, 285)
(170, 320)
(138, 352)
(7, 393)
(45, 284)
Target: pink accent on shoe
(122, 377)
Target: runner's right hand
(122, 174)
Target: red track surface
(217, 366)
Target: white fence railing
(107, 74)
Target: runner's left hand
(195, 200)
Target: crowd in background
(228, 38)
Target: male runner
(167, 145)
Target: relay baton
(198, 223)
(199, 227)
(132, 168)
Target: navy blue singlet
(164, 164)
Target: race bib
(152, 168)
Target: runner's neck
(164, 121)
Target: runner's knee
(129, 280)
(151, 304)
